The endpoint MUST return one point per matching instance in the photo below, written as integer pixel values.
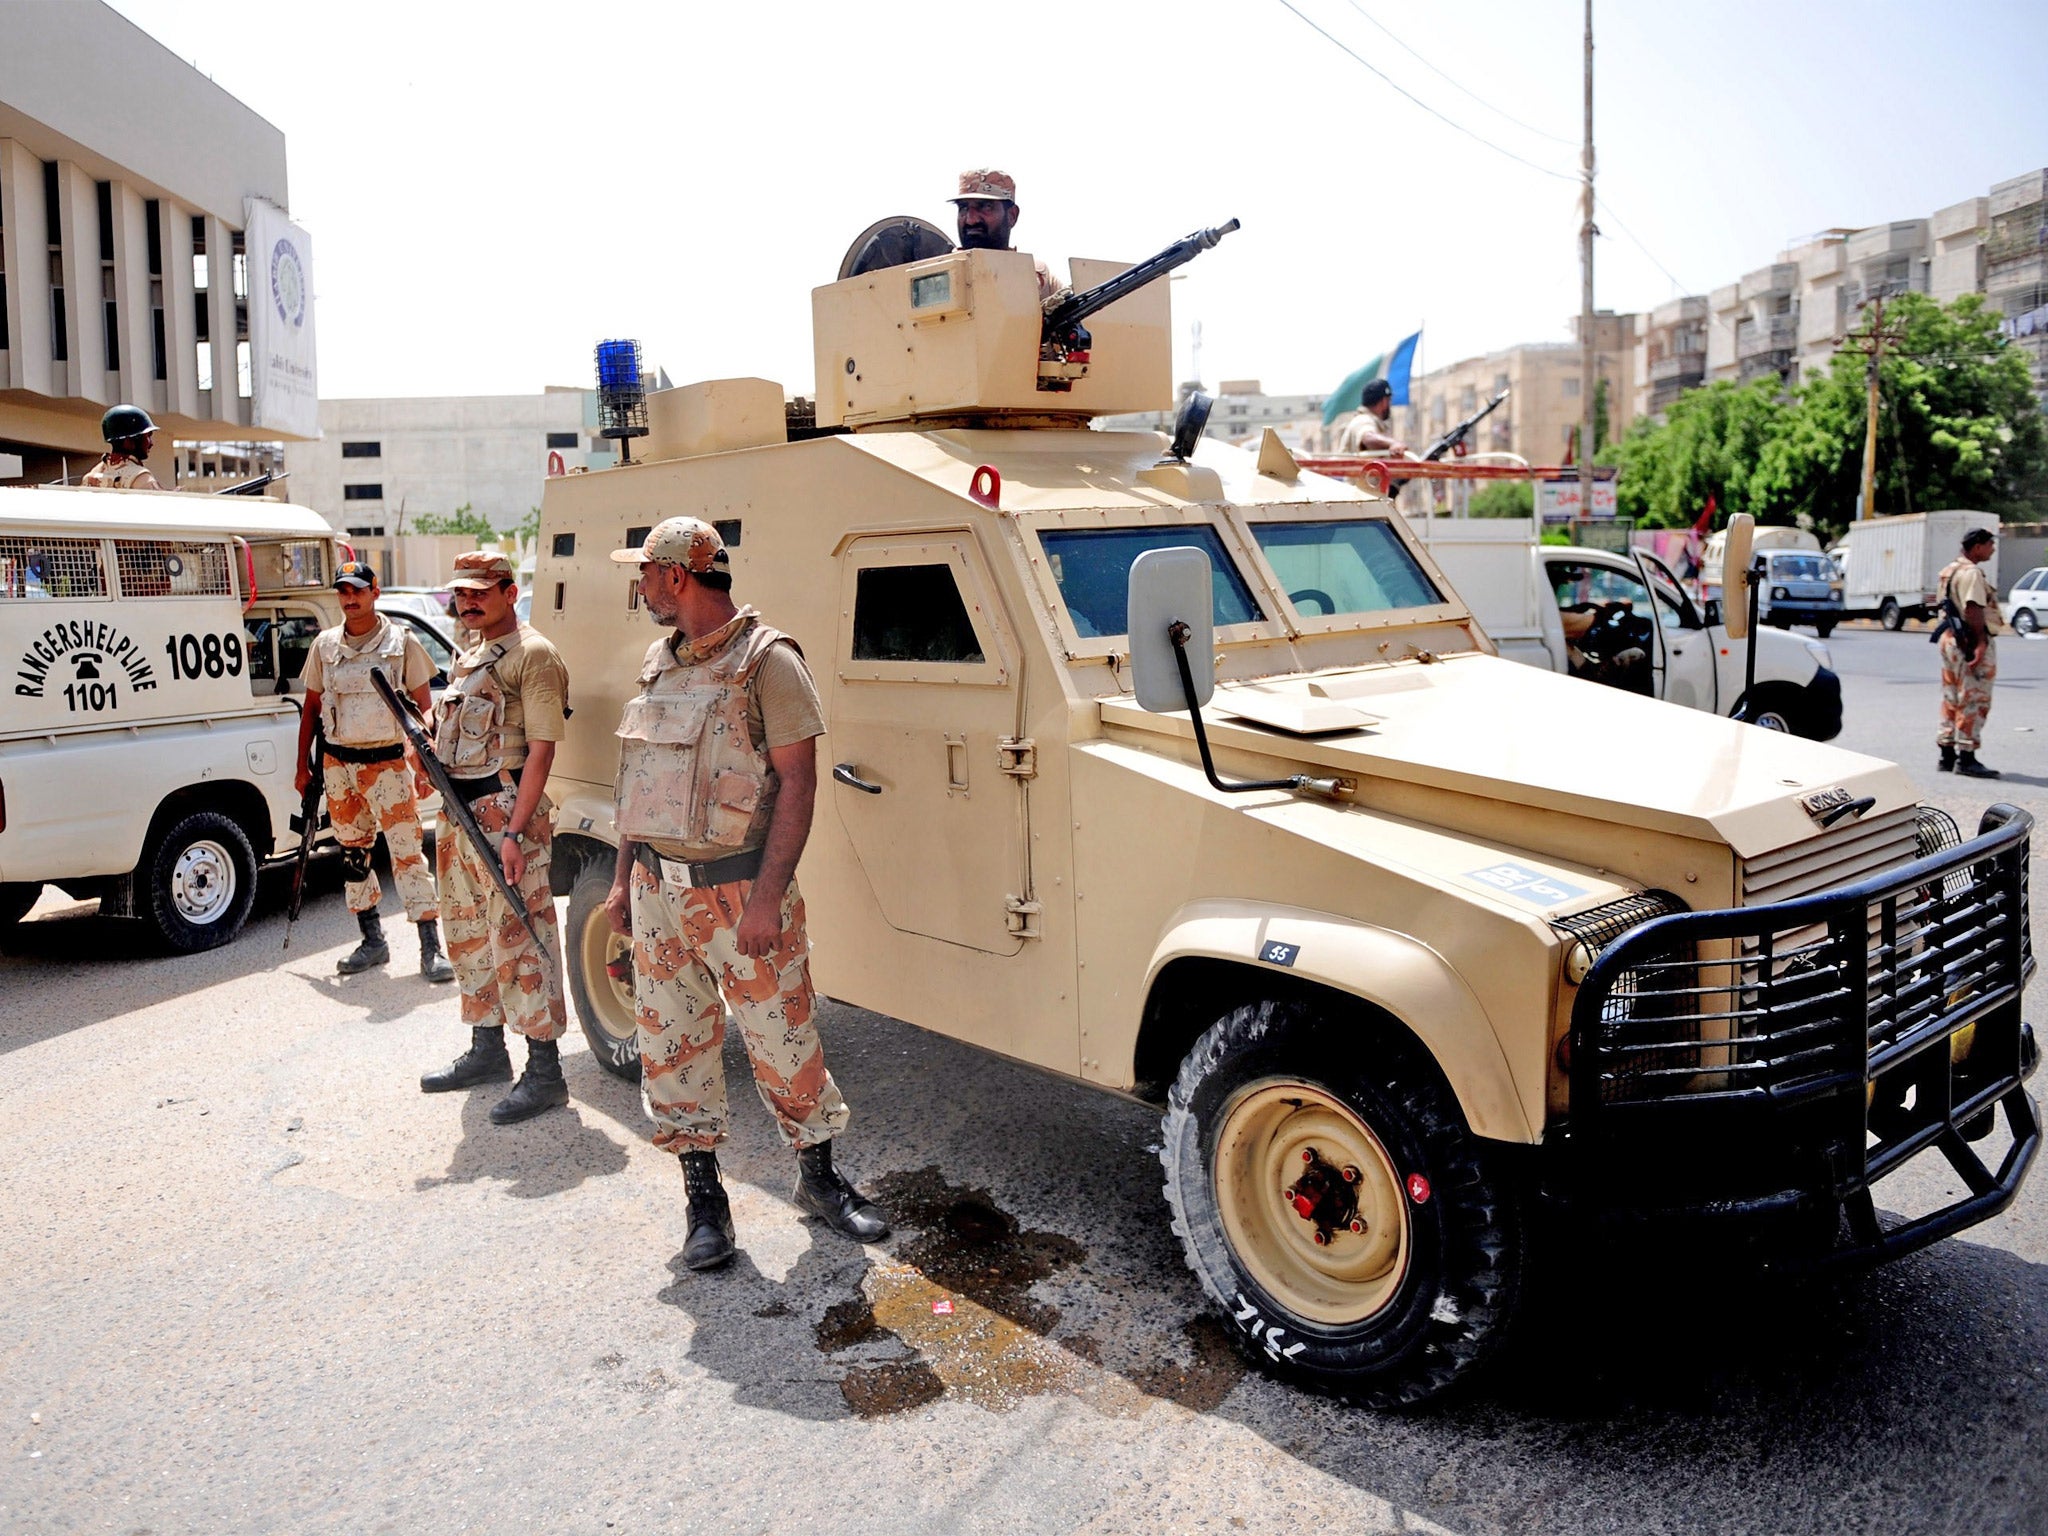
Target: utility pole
(1587, 360)
(1871, 346)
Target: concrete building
(1543, 407)
(382, 461)
(2016, 265)
(1958, 233)
(123, 179)
(1671, 353)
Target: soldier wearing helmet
(987, 206)
(717, 778)
(129, 433)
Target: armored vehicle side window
(911, 613)
(1093, 571)
(1356, 566)
(40, 567)
(173, 568)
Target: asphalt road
(258, 1282)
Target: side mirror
(1735, 558)
(1169, 586)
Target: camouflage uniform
(1966, 684)
(118, 472)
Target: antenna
(621, 398)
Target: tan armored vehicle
(1492, 937)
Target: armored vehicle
(1486, 937)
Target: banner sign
(283, 384)
(1557, 501)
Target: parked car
(2026, 606)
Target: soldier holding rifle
(1969, 656)
(495, 735)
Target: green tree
(1602, 420)
(1503, 498)
(1958, 424)
(1709, 444)
(528, 527)
(463, 520)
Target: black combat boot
(1968, 767)
(822, 1192)
(539, 1089)
(433, 964)
(1948, 758)
(710, 1242)
(486, 1061)
(372, 951)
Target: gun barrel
(1079, 306)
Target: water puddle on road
(956, 1301)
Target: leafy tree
(528, 527)
(1602, 420)
(462, 520)
(1709, 444)
(1958, 423)
(1503, 498)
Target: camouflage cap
(689, 542)
(354, 573)
(985, 186)
(483, 569)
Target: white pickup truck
(150, 643)
(1624, 619)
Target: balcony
(1686, 367)
(1778, 334)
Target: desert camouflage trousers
(1965, 694)
(364, 799)
(684, 958)
(503, 980)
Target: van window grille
(173, 568)
(39, 567)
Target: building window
(242, 373)
(60, 335)
(362, 492)
(1570, 388)
(561, 439)
(201, 276)
(362, 450)
(202, 364)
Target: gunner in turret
(987, 203)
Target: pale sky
(491, 189)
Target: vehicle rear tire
(15, 900)
(1891, 615)
(2023, 620)
(1387, 1315)
(604, 1006)
(197, 882)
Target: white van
(150, 641)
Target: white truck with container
(146, 748)
(1624, 619)
(1891, 566)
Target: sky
(491, 190)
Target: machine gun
(1064, 341)
(253, 487)
(306, 823)
(453, 806)
(1456, 435)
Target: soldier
(717, 776)
(364, 766)
(496, 731)
(1367, 431)
(129, 433)
(1969, 660)
(987, 206)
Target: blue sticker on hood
(1525, 884)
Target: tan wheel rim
(610, 997)
(1266, 1128)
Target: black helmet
(1374, 392)
(124, 422)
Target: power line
(1418, 101)
(1496, 111)
(1608, 209)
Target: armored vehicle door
(925, 707)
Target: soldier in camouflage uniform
(1966, 679)
(717, 777)
(495, 732)
(370, 786)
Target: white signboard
(283, 384)
(1557, 501)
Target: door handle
(845, 773)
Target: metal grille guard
(1767, 1058)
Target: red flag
(1706, 518)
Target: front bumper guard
(1765, 1061)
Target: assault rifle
(1456, 435)
(453, 806)
(306, 823)
(253, 487)
(1953, 623)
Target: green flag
(1345, 398)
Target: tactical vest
(466, 732)
(119, 476)
(352, 712)
(1994, 616)
(688, 767)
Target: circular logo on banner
(288, 283)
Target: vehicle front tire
(1777, 709)
(197, 882)
(15, 901)
(1387, 1315)
(1891, 615)
(1824, 628)
(604, 1005)
(2023, 620)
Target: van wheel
(15, 900)
(1891, 615)
(1335, 1207)
(604, 1004)
(199, 882)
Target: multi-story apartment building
(1671, 353)
(1544, 405)
(124, 176)
(1958, 234)
(2016, 265)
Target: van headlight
(1821, 654)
